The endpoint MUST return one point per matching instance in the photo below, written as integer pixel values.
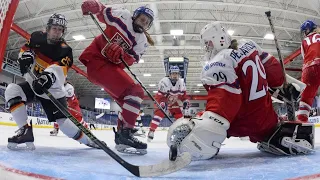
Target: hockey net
(7, 10)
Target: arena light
(152, 85)
(102, 89)
(141, 61)
(269, 36)
(146, 75)
(196, 91)
(176, 32)
(176, 59)
(79, 37)
(199, 85)
(230, 32)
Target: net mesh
(4, 6)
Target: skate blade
(300, 149)
(53, 134)
(140, 135)
(130, 150)
(14, 146)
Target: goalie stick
(128, 68)
(289, 105)
(165, 167)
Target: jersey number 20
(257, 71)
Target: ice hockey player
(139, 126)
(73, 108)
(310, 51)
(238, 102)
(49, 58)
(171, 95)
(129, 41)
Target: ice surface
(65, 158)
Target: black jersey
(48, 54)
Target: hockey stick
(165, 167)
(128, 68)
(289, 106)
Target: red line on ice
(38, 176)
(310, 177)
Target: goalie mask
(56, 28)
(214, 38)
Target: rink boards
(37, 122)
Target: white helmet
(214, 37)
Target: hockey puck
(173, 152)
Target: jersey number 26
(257, 71)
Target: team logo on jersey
(119, 39)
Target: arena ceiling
(246, 18)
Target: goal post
(7, 11)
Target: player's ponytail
(150, 40)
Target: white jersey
(69, 90)
(172, 92)
(121, 30)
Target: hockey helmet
(146, 11)
(307, 27)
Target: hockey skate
(24, 135)
(127, 143)
(54, 132)
(150, 136)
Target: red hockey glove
(113, 52)
(92, 6)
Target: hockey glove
(113, 52)
(291, 90)
(92, 6)
(25, 61)
(44, 81)
(186, 104)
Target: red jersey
(310, 50)
(119, 30)
(237, 85)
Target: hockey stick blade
(166, 166)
